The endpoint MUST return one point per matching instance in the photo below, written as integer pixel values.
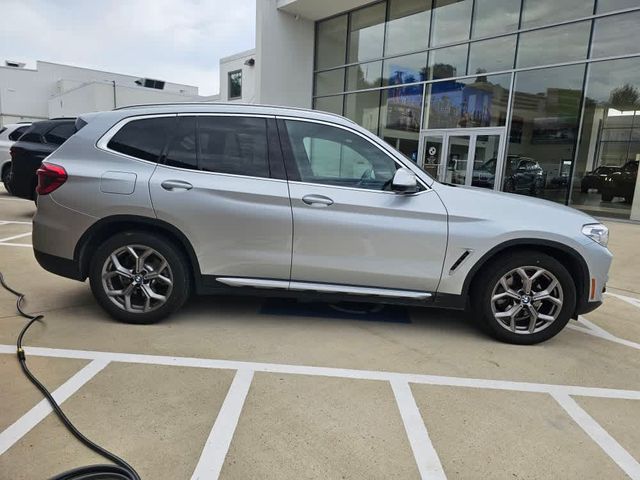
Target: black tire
(607, 196)
(584, 189)
(177, 263)
(6, 178)
(491, 275)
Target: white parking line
(21, 235)
(591, 328)
(217, 446)
(599, 435)
(6, 222)
(21, 427)
(16, 245)
(633, 301)
(425, 455)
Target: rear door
(221, 181)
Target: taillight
(50, 177)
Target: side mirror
(404, 181)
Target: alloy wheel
(527, 300)
(137, 278)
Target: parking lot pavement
(251, 388)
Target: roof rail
(178, 104)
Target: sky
(177, 41)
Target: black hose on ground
(120, 470)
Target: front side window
(144, 138)
(236, 145)
(235, 84)
(60, 133)
(334, 156)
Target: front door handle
(172, 185)
(317, 200)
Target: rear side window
(181, 150)
(144, 138)
(17, 133)
(236, 145)
(60, 133)
(31, 137)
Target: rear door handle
(172, 185)
(317, 200)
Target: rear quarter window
(143, 139)
(60, 133)
(17, 133)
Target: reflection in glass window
(400, 118)
(616, 35)
(471, 102)
(334, 156)
(364, 75)
(407, 26)
(331, 42)
(181, 148)
(331, 104)
(536, 13)
(448, 62)
(492, 55)
(366, 33)
(363, 108)
(554, 45)
(407, 69)
(612, 5)
(546, 110)
(492, 17)
(331, 81)
(451, 21)
(611, 110)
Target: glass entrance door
(464, 156)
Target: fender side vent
(459, 261)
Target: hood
(509, 213)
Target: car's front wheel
(525, 298)
(138, 277)
(6, 177)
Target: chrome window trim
(379, 143)
(103, 141)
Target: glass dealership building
(527, 96)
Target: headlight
(597, 232)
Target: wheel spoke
(125, 272)
(140, 266)
(155, 273)
(148, 291)
(526, 281)
(533, 318)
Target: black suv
(40, 140)
(621, 183)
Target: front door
(464, 156)
(349, 227)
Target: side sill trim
(323, 287)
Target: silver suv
(154, 202)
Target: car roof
(235, 108)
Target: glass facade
(536, 97)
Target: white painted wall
(237, 62)
(29, 94)
(284, 56)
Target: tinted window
(233, 145)
(544, 12)
(492, 55)
(407, 26)
(143, 138)
(331, 42)
(366, 33)
(495, 16)
(60, 133)
(235, 84)
(181, 150)
(334, 156)
(31, 137)
(17, 133)
(451, 21)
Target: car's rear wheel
(607, 196)
(138, 277)
(525, 298)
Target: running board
(323, 287)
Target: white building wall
(29, 94)
(284, 56)
(237, 62)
